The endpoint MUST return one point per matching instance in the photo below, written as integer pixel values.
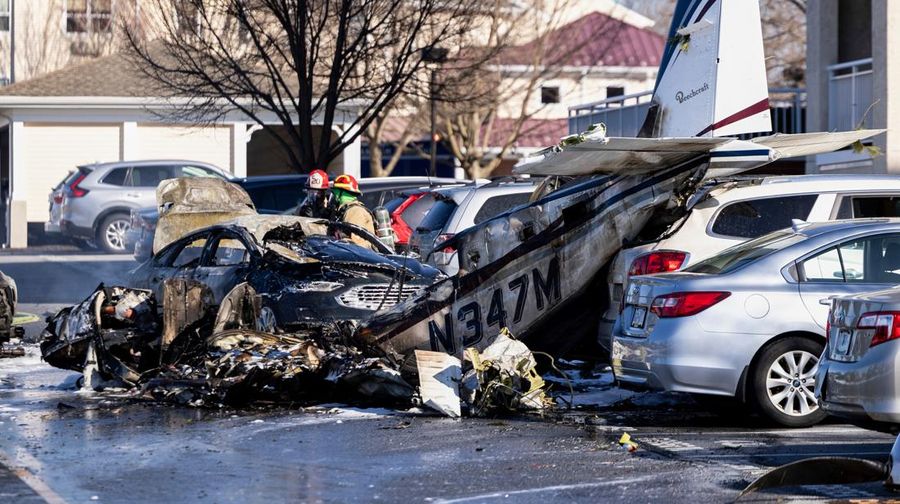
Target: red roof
(593, 40)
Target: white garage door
(52, 151)
(211, 145)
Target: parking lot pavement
(58, 444)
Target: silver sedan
(857, 377)
(750, 322)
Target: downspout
(7, 199)
(12, 41)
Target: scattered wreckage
(264, 310)
(8, 329)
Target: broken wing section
(597, 153)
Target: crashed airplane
(532, 268)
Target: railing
(850, 95)
(624, 115)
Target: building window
(87, 16)
(549, 94)
(4, 15)
(613, 91)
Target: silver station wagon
(750, 322)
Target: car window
(417, 210)
(286, 195)
(824, 267)
(496, 205)
(868, 260)
(733, 258)
(230, 252)
(195, 171)
(262, 197)
(116, 177)
(862, 207)
(149, 176)
(753, 218)
(190, 254)
(437, 217)
(395, 203)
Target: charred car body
(303, 274)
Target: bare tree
(784, 34)
(528, 48)
(303, 62)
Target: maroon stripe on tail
(756, 108)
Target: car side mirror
(826, 301)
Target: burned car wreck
(258, 310)
(302, 273)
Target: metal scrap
(190, 352)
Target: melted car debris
(188, 351)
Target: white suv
(741, 209)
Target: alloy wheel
(790, 383)
(115, 233)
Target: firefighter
(345, 197)
(317, 201)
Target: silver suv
(94, 202)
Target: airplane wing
(807, 144)
(617, 155)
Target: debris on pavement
(503, 377)
(626, 443)
(189, 351)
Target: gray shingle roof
(112, 75)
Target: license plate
(639, 317)
(842, 343)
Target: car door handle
(133, 195)
(826, 301)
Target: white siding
(53, 150)
(212, 144)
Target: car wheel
(111, 233)
(784, 380)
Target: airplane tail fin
(712, 78)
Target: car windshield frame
(746, 253)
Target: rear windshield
(437, 217)
(74, 174)
(740, 255)
(417, 210)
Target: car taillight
(886, 325)
(684, 304)
(74, 190)
(441, 239)
(657, 262)
(58, 198)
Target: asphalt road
(59, 444)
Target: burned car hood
(186, 204)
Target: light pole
(435, 56)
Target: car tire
(783, 381)
(111, 233)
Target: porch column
(18, 216)
(239, 139)
(885, 82)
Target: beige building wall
(50, 151)
(573, 88)
(211, 144)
